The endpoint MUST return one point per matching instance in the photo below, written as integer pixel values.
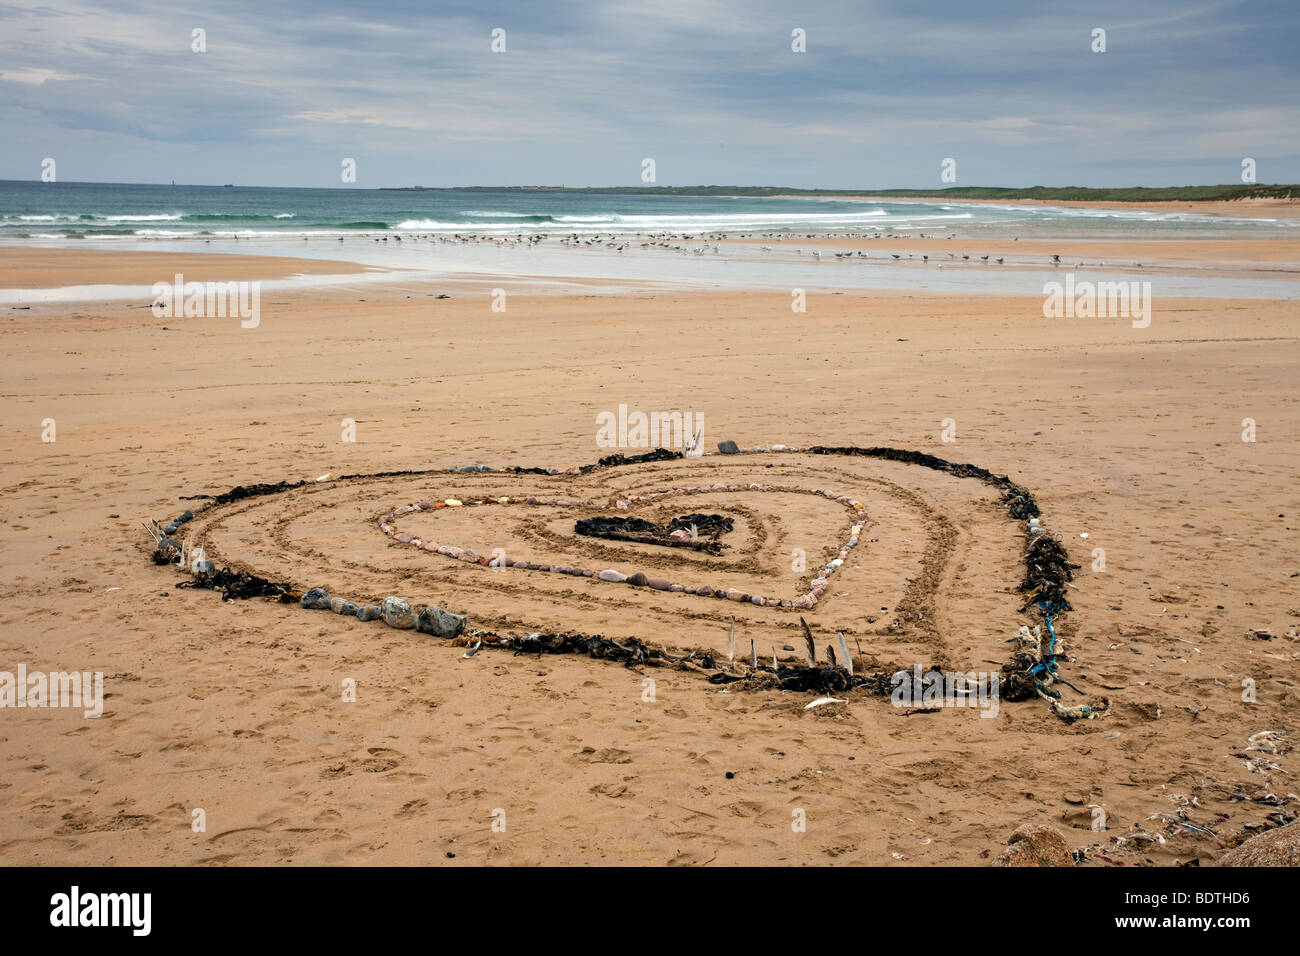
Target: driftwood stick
(692, 666)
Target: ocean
(551, 241)
(50, 213)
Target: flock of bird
(684, 243)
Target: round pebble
(397, 613)
(317, 599)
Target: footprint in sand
(608, 755)
(382, 760)
(412, 808)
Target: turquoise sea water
(38, 212)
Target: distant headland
(1134, 194)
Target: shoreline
(1251, 268)
(1228, 209)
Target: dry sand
(1130, 436)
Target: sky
(711, 90)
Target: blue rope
(1048, 664)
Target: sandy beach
(1131, 439)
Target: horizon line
(655, 187)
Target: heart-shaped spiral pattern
(924, 571)
(816, 587)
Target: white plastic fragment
(823, 700)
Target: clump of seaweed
(641, 531)
(240, 585)
(240, 492)
(632, 652)
(1048, 572)
(613, 461)
(166, 551)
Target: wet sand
(32, 268)
(1130, 436)
(1240, 256)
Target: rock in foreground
(397, 613)
(1279, 847)
(434, 620)
(317, 599)
(1035, 845)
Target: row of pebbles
(393, 611)
(816, 587)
